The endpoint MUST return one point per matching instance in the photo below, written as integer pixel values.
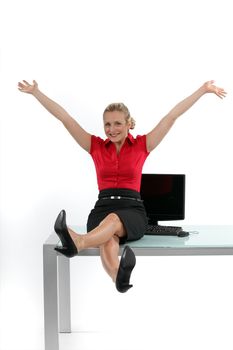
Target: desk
(209, 240)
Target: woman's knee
(115, 221)
(111, 218)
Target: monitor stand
(156, 223)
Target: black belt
(121, 197)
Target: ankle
(114, 274)
(79, 243)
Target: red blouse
(121, 170)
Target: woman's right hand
(79, 134)
(24, 86)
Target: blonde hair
(120, 107)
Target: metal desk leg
(64, 294)
(50, 298)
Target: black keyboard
(163, 230)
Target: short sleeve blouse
(121, 170)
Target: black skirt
(130, 211)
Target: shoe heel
(60, 226)
(126, 266)
(68, 248)
(123, 288)
(65, 251)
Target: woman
(119, 214)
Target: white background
(85, 55)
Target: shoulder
(96, 143)
(96, 139)
(140, 138)
(139, 141)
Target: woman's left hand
(210, 87)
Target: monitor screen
(163, 196)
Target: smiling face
(116, 127)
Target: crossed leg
(106, 236)
(109, 256)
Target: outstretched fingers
(210, 87)
(24, 86)
(220, 92)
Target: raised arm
(79, 134)
(154, 137)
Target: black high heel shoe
(68, 248)
(127, 263)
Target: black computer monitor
(163, 196)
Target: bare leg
(109, 227)
(109, 257)
(107, 236)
